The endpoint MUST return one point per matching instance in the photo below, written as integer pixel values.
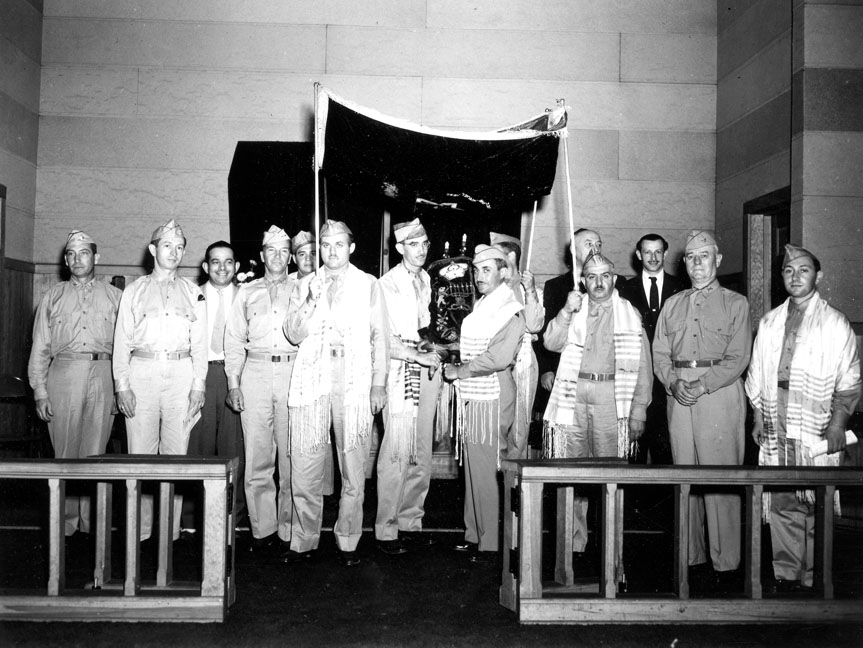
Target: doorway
(768, 229)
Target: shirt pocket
(716, 331)
(103, 324)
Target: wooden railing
(130, 599)
(523, 591)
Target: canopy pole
(569, 204)
(530, 240)
(317, 179)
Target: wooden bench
(130, 599)
(523, 591)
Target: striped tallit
(491, 313)
(309, 393)
(825, 361)
(560, 411)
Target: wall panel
(668, 58)
(453, 53)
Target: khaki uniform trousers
(592, 434)
(161, 389)
(402, 486)
(308, 479)
(792, 522)
(482, 493)
(265, 387)
(711, 432)
(82, 397)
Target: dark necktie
(654, 296)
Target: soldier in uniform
(490, 339)
(404, 458)
(526, 367)
(700, 351)
(339, 320)
(160, 358)
(259, 362)
(804, 384)
(70, 364)
(303, 253)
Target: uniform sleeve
(500, 353)
(663, 367)
(534, 312)
(40, 353)
(123, 339)
(379, 337)
(236, 334)
(644, 386)
(737, 352)
(846, 394)
(556, 333)
(199, 342)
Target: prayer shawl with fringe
(309, 394)
(825, 361)
(403, 377)
(560, 411)
(478, 423)
(525, 362)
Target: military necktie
(217, 342)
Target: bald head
(587, 242)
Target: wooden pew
(128, 599)
(523, 591)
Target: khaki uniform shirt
(167, 315)
(72, 317)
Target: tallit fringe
(553, 440)
(478, 424)
(403, 429)
(358, 425)
(445, 407)
(311, 424)
(801, 458)
(624, 447)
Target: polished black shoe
(263, 545)
(702, 579)
(349, 558)
(292, 557)
(417, 538)
(392, 547)
(728, 582)
(780, 586)
(465, 546)
(482, 557)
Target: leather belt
(595, 377)
(337, 352)
(71, 355)
(267, 357)
(162, 355)
(692, 364)
(216, 362)
(782, 384)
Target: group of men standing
(643, 369)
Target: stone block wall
(143, 102)
(20, 57)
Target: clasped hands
(687, 392)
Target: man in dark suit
(648, 291)
(554, 296)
